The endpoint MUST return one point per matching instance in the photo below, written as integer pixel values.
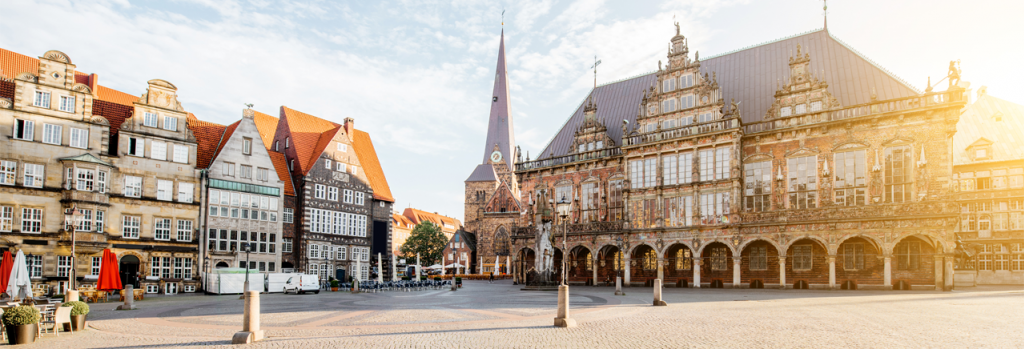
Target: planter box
(22, 334)
(77, 323)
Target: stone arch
(26, 76)
(757, 157)
(127, 253)
(638, 245)
(57, 56)
(928, 238)
(668, 246)
(82, 88)
(704, 244)
(849, 145)
(778, 248)
(818, 239)
(878, 245)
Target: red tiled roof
(402, 221)
(104, 93)
(7, 89)
(281, 166)
(13, 63)
(310, 135)
(420, 216)
(228, 131)
(267, 126)
(371, 165)
(208, 136)
(115, 114)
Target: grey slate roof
(483, 173)
(749, 75)
(499, 127)
(976, 122)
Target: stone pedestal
(965, 278)
(251, 332)
(887, 273)
(618, 287)
(129, 298)
(657, 294)
(70, 296)
(563, 319)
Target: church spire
(500, 136)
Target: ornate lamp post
(248, 247)
(71, 218)
(618, 267)
(564, 207)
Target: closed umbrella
(5, 270)
(19, 284)
(109, 279)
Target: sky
(417, 75)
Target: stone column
(129, 298)
(563, 319)
(618, 287)
(70, 296)
(736, 273)
(782, 272)
(887, 273)
(696, 273)
(832, 272)
(250, 320)
(657, 294)
(625, 267)
(594, 266)
(939, 268)
(661, 269)
(948, 275)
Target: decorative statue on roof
(677, 28)
(954, 73)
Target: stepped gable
(750, 76)
(208, 137)
(996, 123)
(371, 165)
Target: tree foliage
(428, 240)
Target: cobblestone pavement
(500, 315)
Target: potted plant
(458, 281)
(22, 324)
(334, 285)
(78, 312)
(436, 278)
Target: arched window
(649, 260)
(501, 242)
(684, 261)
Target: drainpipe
(203, 216)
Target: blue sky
(417, 75)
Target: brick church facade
(794, 164)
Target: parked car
(303, 283)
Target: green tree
(428, 240)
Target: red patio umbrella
(109, 279)
(5, 270)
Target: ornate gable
(592, 133)
(503, 201)
(802, 93)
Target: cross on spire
(596, 63)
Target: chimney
(94, 81)
(350, 124)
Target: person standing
(492, 278)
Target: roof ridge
(629, 78)
(879, 66)
(763, 43)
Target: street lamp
(71, 218)
(618, 267)
(248, 247)
(563, 206)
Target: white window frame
(6, 218)
(342, 167)
(185, 191)
(158, 150)
(149, 119)
(94, 266)
(162, 229)
(164, 190)
(319, 191)
(79, 138)
(52, 134)
(347, 197)
(33, 175)
(181, 154)
(289, 215)
(247, 146)
(332, 193)
(85, 179)
(133, 186)
(360, 197)
(170, 123)
(342, 147)
(228, 169)
(31, 220)
(8, 172)
(67, 104)
(130, 226)
(42, 99)
(245, 171)
(327, 162)
(139, 148)
(26, 128)
(35, 265)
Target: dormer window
(815, 106)
(590, 146)
(981, 153)
(785, 111)
(600, 144)
(801, 108)
(583, 147)
(685, 81)
(170, 123)
(669, 85)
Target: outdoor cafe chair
(62, 315)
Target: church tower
(492, 191)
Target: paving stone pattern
(499, 315)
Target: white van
(302, 283)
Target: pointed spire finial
(502, 16)
(596, 63)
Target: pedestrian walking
(492, 278)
